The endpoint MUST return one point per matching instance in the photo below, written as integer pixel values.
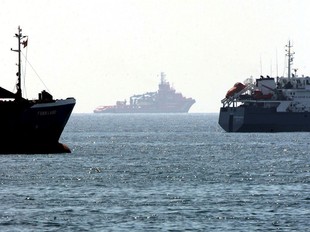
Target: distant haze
(101, 51)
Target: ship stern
(231, 119)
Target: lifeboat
(235, 89)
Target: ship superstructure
(268, 104)
(165, 100)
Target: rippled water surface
(159, 173)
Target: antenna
(290, 58)
(19, 37)
(277, 62)
(271, 67)
(261, 65)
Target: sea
(159, 172)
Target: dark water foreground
(159, 173)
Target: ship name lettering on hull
(46, 113)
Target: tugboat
(31, 126)
(280, 104)
(165, 100)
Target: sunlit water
(159, 173)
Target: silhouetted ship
(165, 100)
(279, 104)
(31, 126)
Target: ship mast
(19, 37)
(290, 59)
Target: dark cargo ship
(280, 104)
(165, 100)
(31, 126)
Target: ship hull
(253, 119)
(181, 108)
(28, 127)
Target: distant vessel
(31, 126)
(279, 104)
(165, 100)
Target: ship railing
(229, 100)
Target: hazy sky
(100, 51)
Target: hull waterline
(34, 128)
(262, 120)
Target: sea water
(159, 172)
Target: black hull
(34, 127)
(34, 148)
(255, 119)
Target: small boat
(31, 126)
